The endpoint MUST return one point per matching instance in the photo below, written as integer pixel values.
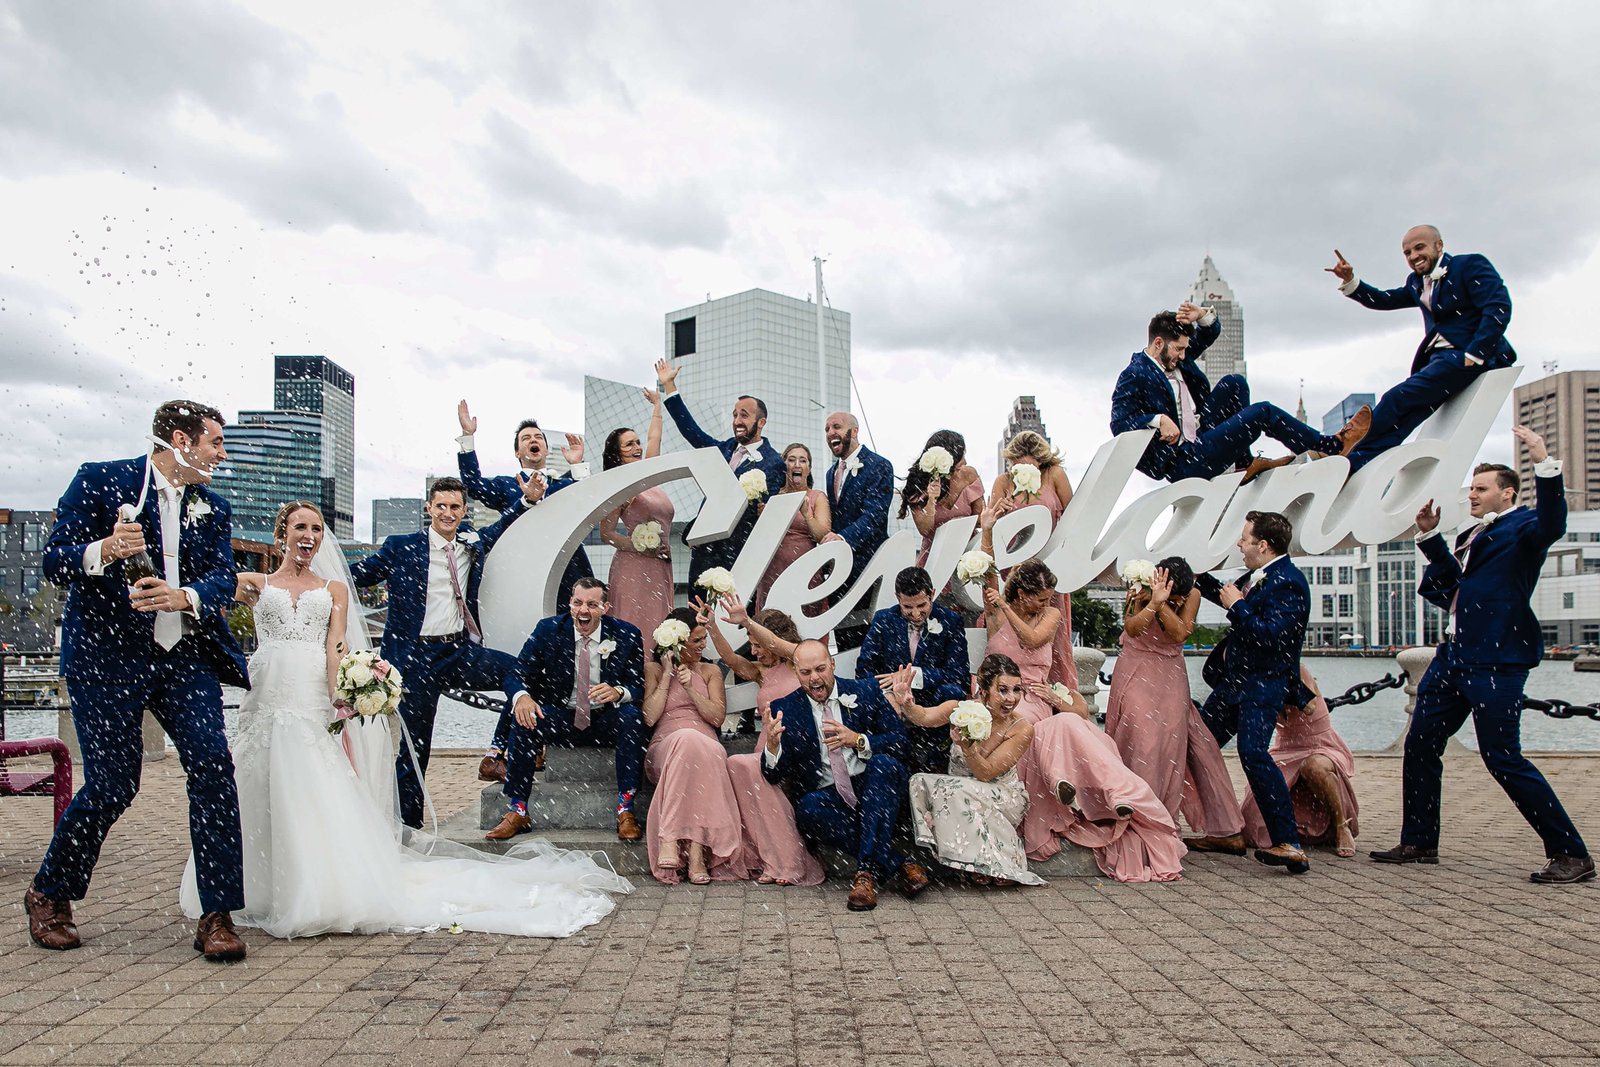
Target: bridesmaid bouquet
(365, 685)
(972, 719)
(1063, 692)
(974, 566)
(1138, 573)
(754, 484)
(670, 635)
(936, 461)
(1025, 479)
(646, 536)
(717, 579)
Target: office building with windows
(1335, 418)
(318, 385)
(30, 607)
(1024, 416)
(1564, 409)
(396, 515)
(1226, 355)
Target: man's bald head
(813, 665)
(1422, 246)
(840, 432)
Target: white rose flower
(972, 719)
(847, 700)
(467, 537)
(935, 626)
(370, 703)
(1063, 692)
(358, 675)
(671, 634)
(1139, 572)
(717, 579)
(937, 461)
(607, 647)
(1025, 478)
(754, 484)
(198, 509)
(646, 536)
(974, 566)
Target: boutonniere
(467, 537)
(935, 626)
(607, 647)
(753, 454)
(847, 700)
(196, 512)
(853, 465)
(1438, 271)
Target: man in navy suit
(1465, 312)
(1260, 671)
(1202, 432)
(504, 493)
(432, 634)
(745, 451)
(577, 682)
(930, 639)
(161, 644)
(840, 750)
(860, 488)
(1481, 666)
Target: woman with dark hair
(1078, 787)
(933, 498)
(969, 817)
(1031, 449)
(641, 570)
(810, 524)
(1151, 718)
(694, 804)
(772, 844)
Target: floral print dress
(972, 825)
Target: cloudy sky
(491, 200)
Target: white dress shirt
(854, 762)
(442, 614)
(595, 660)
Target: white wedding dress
(322, 855)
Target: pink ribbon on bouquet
(344, 736)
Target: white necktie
(169, 624)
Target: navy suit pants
(822, 817)
(1230, 712)
(1403, 408)
(1226, 445)
(431, 669)
(609, 725)
(182, 692)
(1450, 691)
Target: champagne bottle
(137, 567)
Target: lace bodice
(280, 618)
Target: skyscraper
(1564, 409)
(320, 386)
(1226, 356)
(395, 515)
(1024, 416)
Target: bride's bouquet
(366, 685)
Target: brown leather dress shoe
(216, 937)
(512, 823)
(628, 827)
(492, 768)
(1560, 870)
(1354, 430)
(863, 894)
(913, 880)
(50, 921)
(1261, 465)
(1288, 857)
(538, 760)
(1231, 846)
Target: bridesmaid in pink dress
(810, 525)
(694, 802)
(1030, 449)
(640, 583)
(1078, 786)
(1318, 766)
(772, 844)
(933, 500)
(1154, 723)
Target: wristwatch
(861, 744)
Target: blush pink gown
(962, 507)
(1145, 847)
(694, 800)
(1162, 738)
(1301, 735)
(772, 844)
(1063, 667)
(641, 584)
(796, 543)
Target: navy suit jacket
(1258, 663)
(1494, 624)
(770, 464)
(1144, 392)
(102, 638)
(946, 671)
(861, 511)
(1471, 309)
(546, 666)
(402, 561)
(800, 751)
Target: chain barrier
(1362, 692)
(474, 699)
(1562, 709)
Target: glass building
(1334, 419)
(1226, 356)
(318, 385)
(395, 515)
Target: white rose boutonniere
(936, 461)
(753, 454)
(974, 566)
(196, 512)
(607, 647)
(847, 700)
(754, 484)
(1139, 574)
(935, 626)
(972, 719)
(1025, 480)
(468, 537)
(717, 579)
(853, 465)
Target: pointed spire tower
(1226, 356)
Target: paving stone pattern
(1236, 964)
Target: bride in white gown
(322, 854)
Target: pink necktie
(737, 458)
(841, 777)
(461, 601)
(580, 694)
(1427, 292)
(914, 635)
(1186, 419)
(838, 482)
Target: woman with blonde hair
(1054, 491)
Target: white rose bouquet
(365, 685)
(718, 580)
(671, 635)
(646, 536)
(937, 461)
(972, 719)
(754, 484)
(974, 566)
(1138, 573)
(1026, 480)
(1063, 692)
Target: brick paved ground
(1356, 964)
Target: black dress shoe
(1564, 870)
(1406, 854)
